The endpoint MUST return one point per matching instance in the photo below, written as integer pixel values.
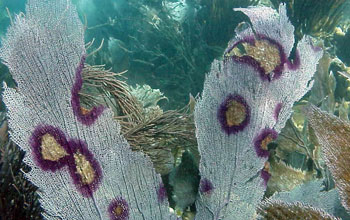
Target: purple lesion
(118, 209)
(315, 48)
(50, 148)
(161, 193)
(264, 54)
(295, 63)
(261, 141)
(233, 114)
(84, 169)
(85, 116)
(265, 175)
(205, 186)
(277, 111)
(52, 151)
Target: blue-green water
(171, 44)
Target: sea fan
(312, 194)
(81, 163)
(277, 210)
(333, 136)
(247, 99)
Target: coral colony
(333, 134)
(247, 99)
(84, 166)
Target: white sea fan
(92, 173)
(333, 136)
(277, 210)
(311, 194)
(243, 107)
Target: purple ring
(35, 143)
(256, 64)
(90, 117)
(86, 190)
(222, 114)
(205, 186)
(258, 141)
(123, 208)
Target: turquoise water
(163, 43)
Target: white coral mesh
(230, 161)
(42, 50)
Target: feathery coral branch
(333, 136)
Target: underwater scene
(174, 109)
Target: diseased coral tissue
(234, 114)
(119, 209)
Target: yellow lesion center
(235, 114)
(50, 149)
(118, 210)
(235, 52)
(266, 53)
(84, 169)
(84, 111)
(267, 166)
(268, 139)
